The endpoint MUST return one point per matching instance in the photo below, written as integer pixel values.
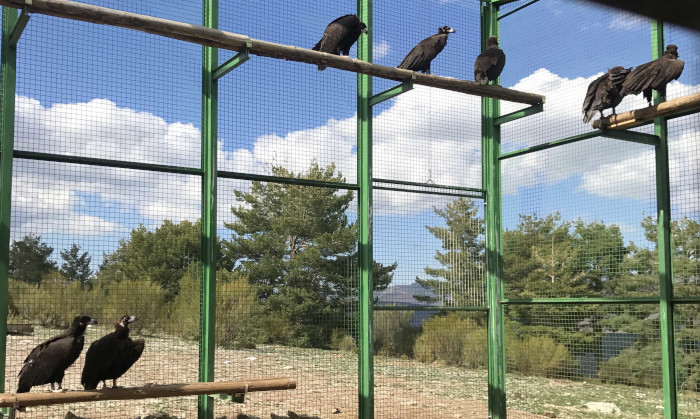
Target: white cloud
(423, 134)
(380, 50)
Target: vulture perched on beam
(490, 63)
(654, 74)
(340, 35)
(47, 363)
(604, 92)
(109, 357)
(422, 54)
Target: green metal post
(209, 166)
(364, 181)
(663, 243)
(491, 179)
(7, 127)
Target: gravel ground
(326, 386)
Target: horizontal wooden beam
(231, 41)
(146, 392)
(672, 108)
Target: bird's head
(126, 319)
(363, 28)
(492, 42)
(446, 29)
(672, 50)
(84, 321)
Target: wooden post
(672, 108)
(147, 392)
(231, 41)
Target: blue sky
(106, 92)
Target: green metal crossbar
(581, 300)
(231, 64)
(550, 144)
(534, 109)
(391, 93)
(516, 9)
(18, 28)
(430, 185)
(428, 308)
(632, 136)
(461, 195)
(287, 180)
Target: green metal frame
(491, 179)
(663, 244)
(391, 92)
(205, 404)
(522, 113)
(364, 180)
(8, 66)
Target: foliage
(453, 340)
(236, 303)
(393, 334)
(163, 255)
(460, 280)
(29, 259)
(342, 341)
(76, 266)
(638, 365)
(538, 355)
(141, 298)
(297, 247)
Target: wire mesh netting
(107, 235)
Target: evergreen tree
(460, 281)
(76, 266)
(297, 247)
(29, 259)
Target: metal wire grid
(574, 221)
(265, 344)
(598, 358)
(427, 135)
(448, 377)
(686, 318)
(574, 43)
(437, 240)
(280, 114)
(94, 208)
(102, 92)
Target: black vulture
(340, 35)
(47, 363)
(109, 357)
(604, 92)
(422, 54)
(654, 74)
(489, 64)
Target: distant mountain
(403, 295)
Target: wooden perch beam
(147, 392)
(672, 108)
(231, 41)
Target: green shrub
(538, 355)
(236, 300)
(341, 341)
(636, 365)
(452, 340)
(140, 298)
(393, 333)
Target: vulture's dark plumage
(422, 54)
(604, 92)
(489, 64)
(340, 35)
(109, 357)
(47, 363)
(654, 74)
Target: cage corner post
(364, 180)
(205, 404)
(663, 244)
(7, 128)
(491, 181)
